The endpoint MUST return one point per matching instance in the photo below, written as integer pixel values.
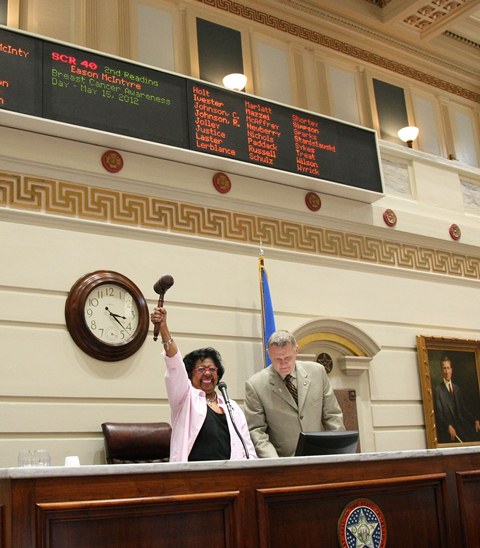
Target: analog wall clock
(107, 315)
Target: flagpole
(261, 266)
(268, 319)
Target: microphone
(160, 287)
(223, 389)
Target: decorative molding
(462, 39)
(379, 3)
(78, 201)
(353, 366)
(433, 12)
(282, 25)
(345, 337)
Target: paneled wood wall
(425, 498)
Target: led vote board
(91, 90)
(21, 73)
(54, 81)
(256, 131)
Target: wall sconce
(408, 135)
(235, 81)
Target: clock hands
(115, 317)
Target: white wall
(341, 262)
(54, 396)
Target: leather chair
(136, 442)
(347, 400)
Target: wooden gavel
(160, 287)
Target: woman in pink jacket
(202, 428)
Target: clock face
(107, 315)
(111, 314)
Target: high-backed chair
(136, 442)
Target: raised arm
(159, 315)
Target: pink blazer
(189, 409)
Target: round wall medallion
(390, 217)
(112, 161)
(326, 360)
(362, 524)
(313, 201)
(222, 183)
(455, 232)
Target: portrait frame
(464, 356)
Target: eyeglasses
(201, 370)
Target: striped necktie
(291, 387)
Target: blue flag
(268, 319)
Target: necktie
(291, 387)
(450, 389)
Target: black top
(213, 440)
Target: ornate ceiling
(446, 29)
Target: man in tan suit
(274, 417)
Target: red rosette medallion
(222, 183)
(313, 201)
(455, 232)
(390, 217)
(112, 161)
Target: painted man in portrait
(455, 422)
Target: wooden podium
(427, 498)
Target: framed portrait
(449, 375)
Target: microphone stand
(223, 389)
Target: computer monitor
(327, 443)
